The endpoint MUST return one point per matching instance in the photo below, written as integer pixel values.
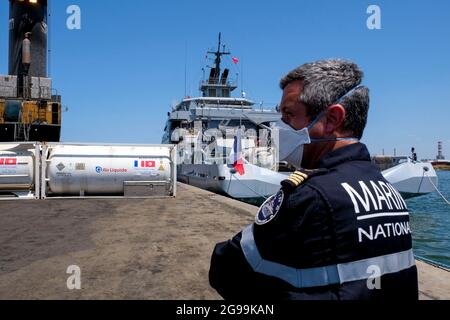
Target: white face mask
(291, 142)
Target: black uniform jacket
(340, 232)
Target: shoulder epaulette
(296, 179)
(300, 177)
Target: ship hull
(410, 179)
(256, 183)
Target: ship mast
(218, 84)
(218, 54)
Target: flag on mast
(238, 160)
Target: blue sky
(122, 71)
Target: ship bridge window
(175, 124)
(185, 106)
(212, 92)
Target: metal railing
(218, 82)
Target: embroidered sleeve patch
(270, 209)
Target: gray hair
(325, 82)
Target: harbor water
(430, 223)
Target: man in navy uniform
(336, 230)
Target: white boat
(411, 178)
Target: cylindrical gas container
(76, 170)
(26, 51)
(16, 168)
(28, 17)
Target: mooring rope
(437, 190)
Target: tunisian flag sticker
(235, 60)
(9, 161)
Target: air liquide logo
(103, 170)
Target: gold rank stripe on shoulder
(297, 178)
(300, 174)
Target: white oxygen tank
(16, 168)
(103, 170)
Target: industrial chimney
(30, 109)
(440, 156)
(28, 25)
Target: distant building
(440, 156)
(440, 163)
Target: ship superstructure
(216, 108)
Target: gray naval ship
(205, 129)
(208, 128)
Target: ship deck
(129, 249)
